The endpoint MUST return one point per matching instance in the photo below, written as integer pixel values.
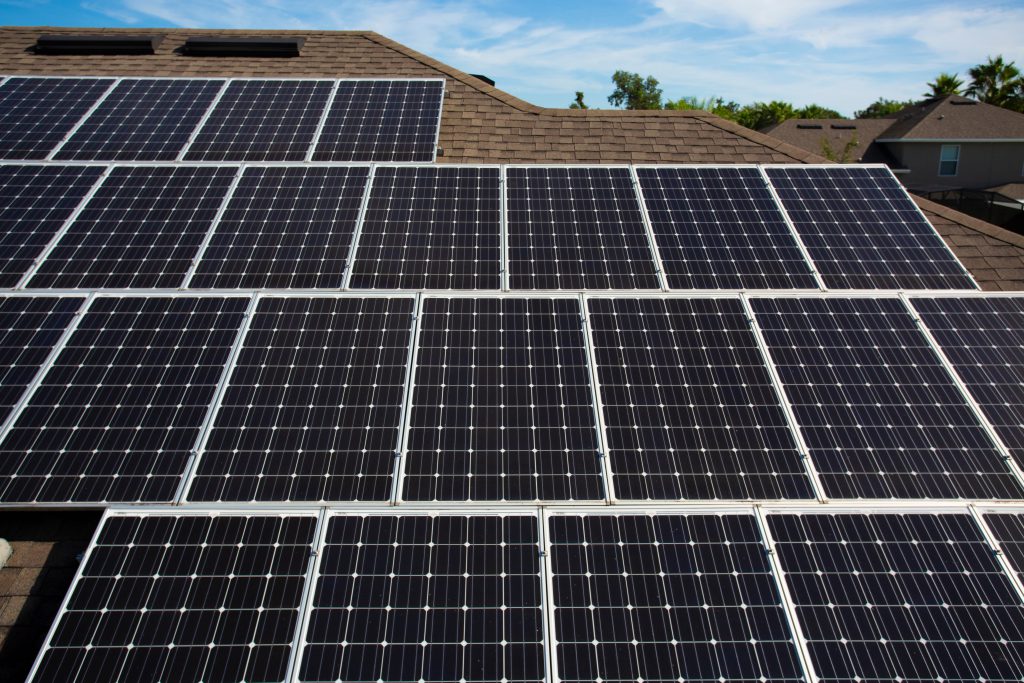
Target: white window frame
(955, 161)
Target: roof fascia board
(949, 140)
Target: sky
(842, 54)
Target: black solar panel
(984, 340)
(142, 120)
(689, 407)
(30, 327)
(382, 121)
(720, 228)
(262, 121)
(577, 228)
(184, 598)
(502, 407)
(117, 414)
(1008, 530)
(426, 598)
(312, 409)
(34, 203)
(863, 231)
(667, 598)
(881, 416)
(284, 228)
(36, 113)
(142, 228)
(891, 597)
(431, 227)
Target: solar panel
(117, 414)
(879, 413)
(284, 228)
(312, 409)
(142, 119)
(30, 327)
(1008, 530)
(501, 407)
(689, 407)
(184, 597)
(863, 231)
(720, 228)
(36, 113)
(382, 121)
(577, 228)
(426, 598)
(431, 227)
(142, 228)
(984, 340)
(900, 597)
(262, 121)
(34, 203)
(667, 598)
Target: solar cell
(1008, 530)
(688, 403)
(720, 228)
(879, 413)
(36, 113)
(382, 121)
(900, 597)
(284, 228)
(426, 598)
(117, 414)
(142, 228)
(430, 227)
(667, 598)
(313, 406)
(142, 119)
(577, 228)
(34, 203)
(261, 121)
(184, 598)
(863, 231)
(501, 406)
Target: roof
(955, 118)
(814, 134)
(1010, 191)
(483, 124)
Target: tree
(714, 105)
(578, 103)
(760, 115)
(882, 109)
(995, 82)
(945, 84)
(843, 156)
(816, 111)
(635, 92)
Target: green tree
(816, 111)
(995, 82)
(945, 84)
(632, 91)
(882, 108)
(715, 105)
(763, 114)
(843, 156)
(578, 103)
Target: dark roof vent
(960, 103)
(844, 126)
(809, 126)
(485, 79)
(96, 45)
(243, 47)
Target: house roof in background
(955, 118)
(814, 134)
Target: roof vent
(810, 126)
(96, 45)
(960, 103)
(844, 126)
(485, 79)
(243, 47)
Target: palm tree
(994, 81)
(945, 84)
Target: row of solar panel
(780, 596)
(161, 119)
(292, 398)
(443, 227)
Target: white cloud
(755, 15)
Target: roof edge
(976, 224)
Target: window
(949, 159)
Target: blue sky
(838, 53)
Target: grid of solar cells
(879, 413)
(720, 228)
(262, 121)
(285, 228)
(382, 121)
(36, 113)
(689, 407)
(431, 227)
(426, 598)
(667, 598)
(863, 231)
(117, 414)
(1008, 529)
(312, 409)
(142, 228)
(29, 329)
(34, 203)
(577, 228)
(142, 120)
(501, 406)
(890, 597)
(184, 598)
(984, 340)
